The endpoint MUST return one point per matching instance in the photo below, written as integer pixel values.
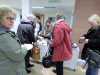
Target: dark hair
(50, 18)
(38, 17)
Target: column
(26, 7)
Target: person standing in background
(25, 32)
(40, 24)
(48, 26)
(61, 43)
(48, 29)
(38, 27)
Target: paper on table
(27, 46)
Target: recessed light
(38, 7)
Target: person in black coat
(92, 42)
(40, 24)
(93, 37)
(25, 32)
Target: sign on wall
(53, 1)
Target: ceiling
(53, 2)
(66, 6)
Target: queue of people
(14, 51)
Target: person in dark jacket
(92, 41)
(25, 33)
(40, 24)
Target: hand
(82, 39)
(35, 43)
(50, 42)
(87, 40)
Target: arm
(95, 41)
(88, 33)
(58, 36)
(11, 49)
(94, 37)
(31, 32)
(85, 36)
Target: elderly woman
(11, 52)
(61, 42)
(92, 42)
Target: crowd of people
(15, 55)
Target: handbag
(94, 57)
(47, 59)
(36, 54)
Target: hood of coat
(24, 22)
(63, 25)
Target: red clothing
(62, 41)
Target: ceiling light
(38, 7)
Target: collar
(23, 22)
(3, 29)
(59, 20)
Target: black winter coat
(26, 32)
(93, 35)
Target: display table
(70, 64)
(44, 47)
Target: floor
(40, 70)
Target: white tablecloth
(72, 63)
(44, 47)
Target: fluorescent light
(38, 7)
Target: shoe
(28, 70)
(54, 71)
(31, 61)
(31, 65)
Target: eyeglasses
(11, 18)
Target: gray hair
(29, 17)
(59, 16)
(4, 10)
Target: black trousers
(27, 59)
(59, 68)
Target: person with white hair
(26, 30)
(61, 44)
(92, 42)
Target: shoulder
(98, 27)
(5, 38)
(5, 35)
(25, 26)
(8, 39)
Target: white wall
(68, 17)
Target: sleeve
(11, 49)
(58, 36)
(31, 32)
(87, 35)
(95, 41)
(40, 29)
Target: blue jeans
(91, 70)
